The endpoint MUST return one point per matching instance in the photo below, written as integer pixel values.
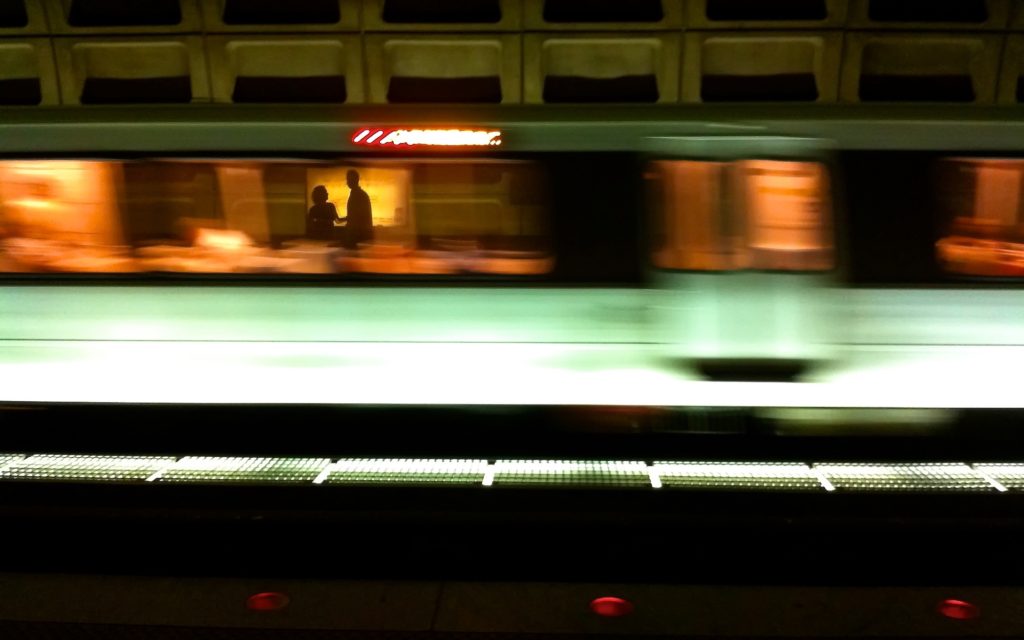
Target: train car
(653, 241)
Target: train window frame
(927, 273)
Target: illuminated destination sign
(374, 137)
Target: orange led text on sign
(373, 137)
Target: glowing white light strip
(826, 484)
(998, 486)
(882, 470)
(388, 470)
(579, 472)
(917, 476)
(483, 373)
(409, 465)
(258, 469)
(85, 467)
(652, 473)
(781, 470)
(990, 471)
(326, 471)
(854, 477)
(192, 463)
(362, 134)
(554, 467)
(156, 475)
(1014, 470)
(760, 475)
(8, 462)
(1009, 475)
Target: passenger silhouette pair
(358, 216)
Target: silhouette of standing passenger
(359, 226)
(320, 221)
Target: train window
(983, 225)
(231, 216)
(926, 218)
(60, 216)
(749, 214)
(787, 219)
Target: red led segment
(397, 138)
(267, 601)
(959, 609)
(611, 607)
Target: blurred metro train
(769, 244)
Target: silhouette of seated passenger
(320, 221)
(359, 216)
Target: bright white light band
(390, 471)
(755, 475)
(904, 477)
(678, 475)
(487, 373)
(571, 472)
(1003, 476)
(239, 469)
(84, 468)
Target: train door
(743, 250)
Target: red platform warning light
(959, 609)
(267, 601)
(398, 138)
(611, 607)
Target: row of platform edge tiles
(63, 17)
(574, 68)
